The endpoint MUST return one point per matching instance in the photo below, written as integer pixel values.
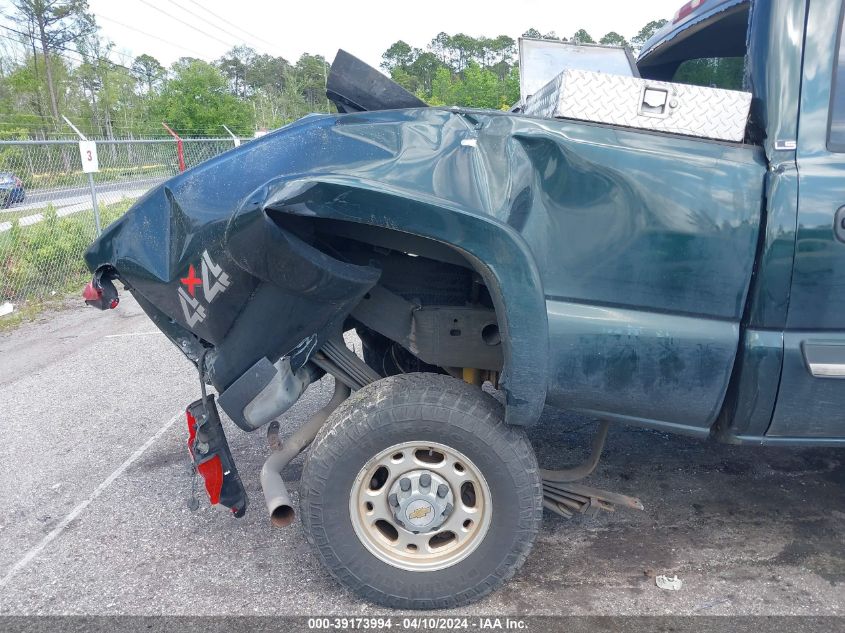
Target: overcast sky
(365, 29)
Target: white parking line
(56, 532)
(132, 334)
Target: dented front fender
(205, 248)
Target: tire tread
(426, 397)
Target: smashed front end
(248, 298)
(254, 263)
(225, 281)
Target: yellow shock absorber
(472, 376)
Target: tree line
(54, 61)
(480, 72)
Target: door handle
(839, 224)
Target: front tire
(416, 495)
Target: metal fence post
(51, 205)
(235, 139)
(180, 147)
(90, 182)
(94, 201)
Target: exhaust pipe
(275, 493)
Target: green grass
(77, 179)
(55, 180)
(22, 314)
(11, 215)
(44, 260)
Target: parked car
(642, 277)
(11, 189)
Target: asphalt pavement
(66, 196)
(69, 200)
(96, 478)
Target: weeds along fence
(47, 217)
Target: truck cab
(787, 381)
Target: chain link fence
(47, 206)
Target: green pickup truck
(492, 263)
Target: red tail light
(91, 293)
(211, 470)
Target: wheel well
(431, 308)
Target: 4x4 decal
(213, 280)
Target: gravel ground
(92, 442)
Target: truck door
(647, 243)
(811, 399)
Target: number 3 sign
(88, 154)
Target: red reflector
(210, 470)
(91, 293)
(212, 473)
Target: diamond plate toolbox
(642, 103)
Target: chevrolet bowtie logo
(419, 513)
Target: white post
(235, 139)
(90, 176)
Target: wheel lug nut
(425, 480)
(405, 484)
(393, 500)
(448, 510)
(442, 489)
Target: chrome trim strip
(827, 370)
